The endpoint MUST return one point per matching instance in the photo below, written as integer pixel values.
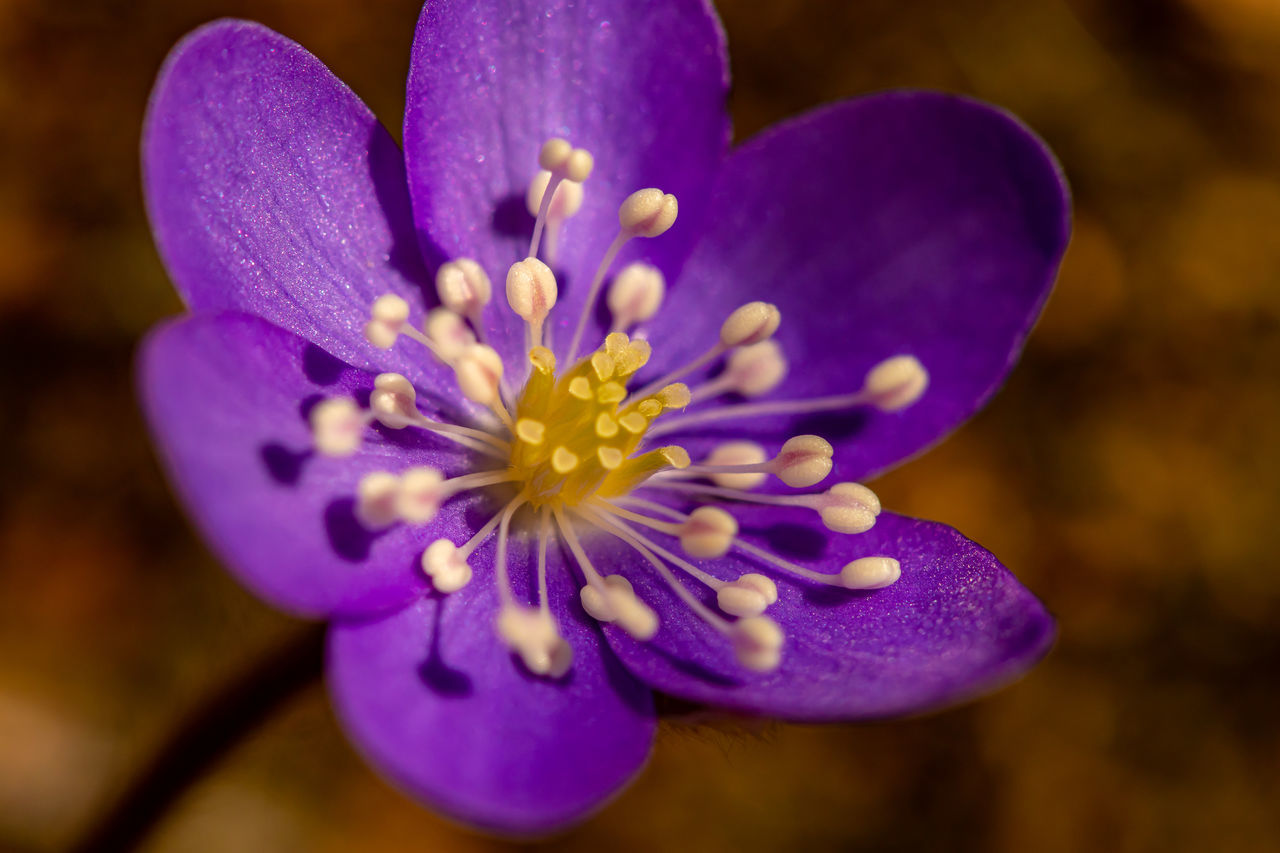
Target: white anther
(870, 573)
(449, 333)
(578, 166)
(336, 426)
(756, 369)
(554, 154)
(750, 324)
(479, 374)
(618, 603)
(708, 533)
(463, 286)
(737, 453)
(445, 565)
(804, 461)
(531, 290)
(635, 294)
(392, 401)
(895, 383)
(648, 212)
(749, 595)
(531, 633)
(565, 203)
(849, 508)
(421, 493)
(757, 642)
(376, 500)
(387, 317)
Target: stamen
(757, 640)
(449, 333)
(532, 293)
(415, 496)
(610, 599)
(635, 295)
(750, 595)
(464, 288)
(844, 508)
(750, 371)
(890, 386)
(529, 631)
(565, 204)
(862, 573)
(387, 318)
(479, 375)
(562, 162)
(376, 500)
(644, 213)
(734, 456)
(804, 461)
(747, 325)
(336, 426)
(446, 564)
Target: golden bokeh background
(1128, 472)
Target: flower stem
(215, 726)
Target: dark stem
(220, 721)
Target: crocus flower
(527, 501)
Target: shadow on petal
(350, 539)
(284, 465)
(434, 672)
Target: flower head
(568, 402)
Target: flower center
(571, 441)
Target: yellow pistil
(573, 440)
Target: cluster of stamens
(568, 449)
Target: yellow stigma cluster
(572, 441)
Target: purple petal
(448, 713)
(956, 624)
(228, 397)
(905, 223)
(642, 86)
(273, 190)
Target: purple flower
(406, 490)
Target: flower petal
(273, 190)
(905, 223)
(642, 86)
(227, 397)
(955, 624)
(449, 714)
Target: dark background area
(1127, 473)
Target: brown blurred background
(1127, 473)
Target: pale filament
(594, 290)
(500, 558)
(786, 565)
(620, 530)
(832, 403)
(476, 439)
(571, 539)
(670, 529)
(549, 193)
(680, 372)
(544, 531)
(806, 501)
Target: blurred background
(1127, 473)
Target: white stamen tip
(635, 294)
(749, 595)
(336, 426)
(738, 453)
(896, 383)
(849, 508)
(804, 461)
(449, 333)
(392, 401)
(648, 212)
(446, 567)
(578, 165)
(531, 633)
(531, 289)
(479, 374)
(756, 369)
(565, 203)
(376, 500)
(870, 573)
(421, 493)
(708, 533)
(463, 286)
(757, 642)
(554, 154)
(618, 604)
(750, 324)
(387, 317)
